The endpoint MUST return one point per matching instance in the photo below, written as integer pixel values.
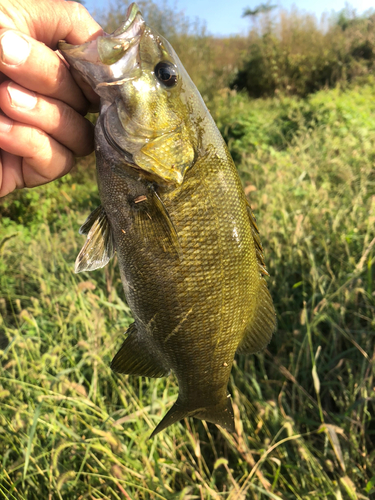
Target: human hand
(42, 108)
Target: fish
(174, 211)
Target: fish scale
(174, 211)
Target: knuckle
(66, 90)
(66, 117)
(80, 135)
(40, 144)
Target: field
(71, 429)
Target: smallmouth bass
(174, 211)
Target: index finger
(36, 67)
(49, 21)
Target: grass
(304, 408)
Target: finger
(87, 90)
(10, 173)
(44, 159)
(53, 117)
(36, 67)
(64, 20)
(49, 22)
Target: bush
(293, 54)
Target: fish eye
(166, 73)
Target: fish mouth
(103, 59)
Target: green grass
(305, 407)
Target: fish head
(149, 105)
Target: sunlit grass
(304, 408)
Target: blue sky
(223, 17)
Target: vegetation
(304, 408)
(292, 53)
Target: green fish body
(174, 210)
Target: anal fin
(259, 331)
(134, 358)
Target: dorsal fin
(263, 324)
(257, 242)
(259, 331)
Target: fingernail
(14, 49)
(5, 124)
(21, 98)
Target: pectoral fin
(155, 223)
(135, 358)
(259, 331)
(99, 247)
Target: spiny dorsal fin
(257, 242)
(154, 221)
(99, 247)
(134, 358)
(261, 327)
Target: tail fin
(220, 414)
